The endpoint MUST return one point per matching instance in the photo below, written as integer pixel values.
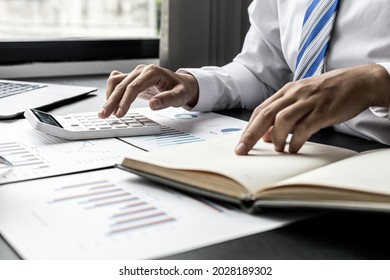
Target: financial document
(37, 155)
(180, 127)
(113, 214)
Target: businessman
(305, 65)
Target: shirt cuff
(206, 86)
(382, 112)
(386, 65)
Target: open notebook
(16, 96)
(318, 176)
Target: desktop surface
(329, 235)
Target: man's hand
(304, 107)
(163, 88)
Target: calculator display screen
(46, 118)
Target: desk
(333, 235)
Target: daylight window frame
(24, 52)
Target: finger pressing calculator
(89, 126)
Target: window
(78, 30)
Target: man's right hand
(162, 87)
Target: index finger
(254, 131)
(262, 120)
(116, 87)
(115, 78)
(151, 77)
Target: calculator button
(130, 122)
(98, 122)
(135, 125)
(76, 127)
(115, 122)
(132, 114)
(151, 124)
(149, 121)
(120, 126)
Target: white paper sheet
(181, 127)
(112, 214)
(37, 155)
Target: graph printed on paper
(182, 127)
(36, 155)
(24, 159)
(113, 214)
(125, 211)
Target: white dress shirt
(361, 36)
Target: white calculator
(89, 126)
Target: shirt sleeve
(255, 74)
(382, 112)
(386, 65)
(367, 125)
(371, 124)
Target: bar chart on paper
(19, 156)
(113, 214)
(129, 211)
(36, 155)
(26, 162)
(182, 127)
(169, 137)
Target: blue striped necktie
(316, 32)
